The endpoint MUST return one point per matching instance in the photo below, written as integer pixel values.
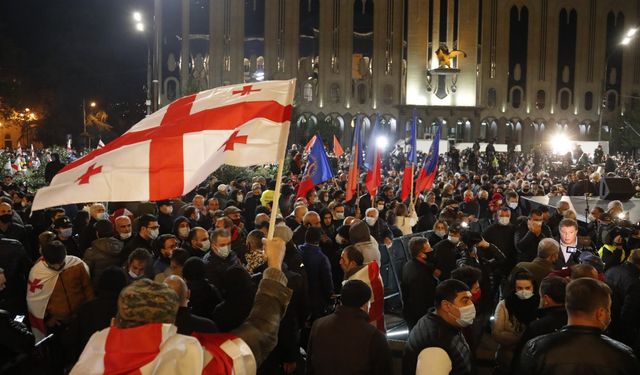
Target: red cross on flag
(170, 152)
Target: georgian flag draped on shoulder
(168, 153)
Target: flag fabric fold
(373, 161)
(309, 144)
(412, 159)
(353, 179)
(318, 169)
(429, 169)
(337, 148)
(171, 151)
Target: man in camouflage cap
(145, 302)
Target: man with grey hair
(187, 322)
(543, 264)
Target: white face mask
(513, 206)
(125, 235)
(339, 215)
(239, 198)
(153, 234)
(205, 245)
(504, 220)
(66, 232)
(340, 240)
(168, 210)
(380, 207)
(370, 220)
(467, 315)
(440, 233)
(223, 251)
(454, 240)
(524, 294)
(102, 216)
(183, 232)
(133, 275)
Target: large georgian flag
(168, 153)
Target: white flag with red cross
(170, 152)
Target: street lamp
(87, 136)
(152, 93)
(629, 35)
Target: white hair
(372, 209)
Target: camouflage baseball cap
(144, 302)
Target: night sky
(55, 53)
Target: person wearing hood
(181, 228)
(165, 216)
(439, 232)
(378, 228)
(512, 316)
(138, 265)
(361, 238)
(104, 251)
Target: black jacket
(446, 254)
(92, 316)
(550, 319)
(418, 290)
(188, 323)
(15, 338)
(624, 281)
(345, 343)
(577, 350)
(16, 266)
(433, 332)
(502, 237)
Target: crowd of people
(82, 284)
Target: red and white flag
(159, 350)
(42, 281)
(370, 275)
(170, 152)
(307, 148)
(100, 143)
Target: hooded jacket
(103, 253)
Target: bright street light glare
(137, 16)
(626, 41)
(560, 144)
(93, 104)
(632, 31)
(140, 26)
(382, 142)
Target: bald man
(186, 322)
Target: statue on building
(445, 56)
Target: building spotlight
(561, 144)
(382, 142)
(137, 16)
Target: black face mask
(6, 218)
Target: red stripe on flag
(373, 176)
(124, 357)
(222, 118)
(221, 363)
(406, 184)
(376, 310)
(352, 179)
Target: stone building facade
(529, 68)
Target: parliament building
(513, 70)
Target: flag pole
(413, 166)
(275, 205)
